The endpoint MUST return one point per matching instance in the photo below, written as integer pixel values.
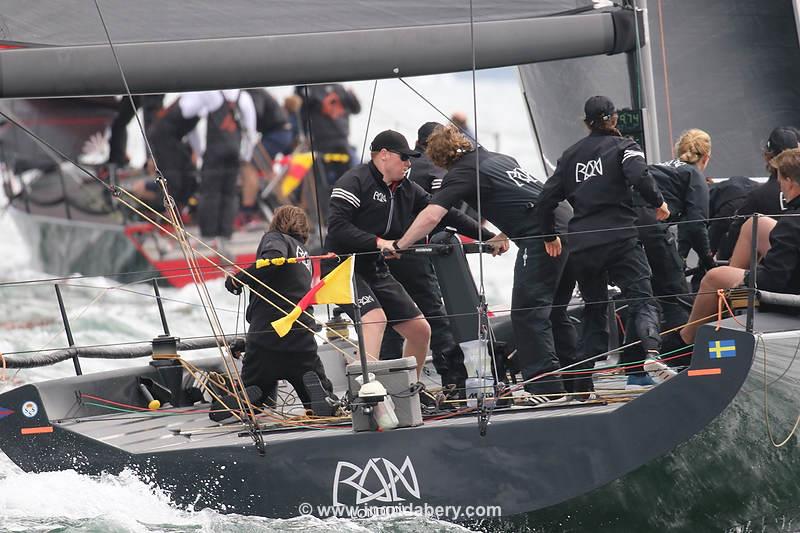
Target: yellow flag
(283, 325)
(335, 288)
(338, 284)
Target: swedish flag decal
(720, 349)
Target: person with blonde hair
(685, 190)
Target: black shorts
(382, 291)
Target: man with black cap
(416, 274)
(370, 205)
(595, 175)
(766, 199)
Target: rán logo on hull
(379, 481)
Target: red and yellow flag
(335, 288)
(298, 166)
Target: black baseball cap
(425, 131)
(392, 141)
(782, 138)
(598, 107)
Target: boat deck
(190, 428)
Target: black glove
(233, 285)
(707, 262)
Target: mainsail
(62, 50)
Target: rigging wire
(496, 312)
(485, 335)
(666, 73)
(437, 109)
(369, 120)
(235, 264)
(475, 111)
(190, 255)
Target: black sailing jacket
(595, 176)
(686, 192)
(292, 281)
(779, 271)
(363, 208)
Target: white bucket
(476, 386)
(384, 414)
(477, 359)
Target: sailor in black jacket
(725, 198)
(779, 270)
(416, 274)
(683, 185)
(595, 175)
(423, 172)
(545, 336)
(269, 357)
(767, 198)
(370, 205)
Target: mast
(648, 104)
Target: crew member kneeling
(269, 357)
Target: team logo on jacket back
(300, 253)
(590, 169)
(520, 177)
(379, 196)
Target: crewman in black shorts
(371, 205)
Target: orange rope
(721, 299)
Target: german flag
(335, 288)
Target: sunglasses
(403, 157)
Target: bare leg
(705, 303)
(249, 177)
(372, 325)
(417, 333)
(741, 253)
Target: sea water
(102, 312)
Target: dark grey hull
(729, 474)
(530, 459)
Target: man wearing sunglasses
(371, 205)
